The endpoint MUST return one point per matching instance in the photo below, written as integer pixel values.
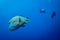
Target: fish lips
(13, 27)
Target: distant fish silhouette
(42, 10)
(53, 14)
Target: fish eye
(27, 20)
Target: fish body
(53, 14)
(17, 22)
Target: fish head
(13, 26)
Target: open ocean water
(41, 26)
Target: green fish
(17, 22)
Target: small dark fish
(42, 11)
(53, 14)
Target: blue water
(41, 25)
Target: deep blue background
(40, 27)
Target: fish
(53, 14)
(17, 22)
(42, 11)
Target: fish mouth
(13, 28)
